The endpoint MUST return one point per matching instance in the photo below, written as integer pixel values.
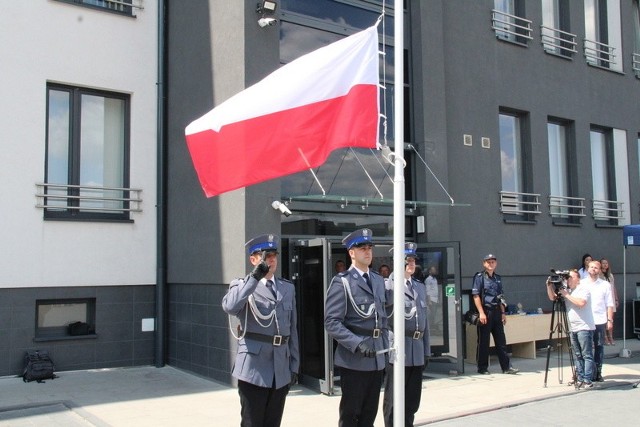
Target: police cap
(264, 242)
(360, 237)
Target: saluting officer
(416, 340)
(268, 357)
(355, 317)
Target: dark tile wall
(198, 334)
(119, 341)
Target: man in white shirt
(602, 309)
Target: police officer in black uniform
(487, 296)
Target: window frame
(74, 162)
(127, 6)
(49, 333)
(572, 215)
(609, 175)
(522, 196)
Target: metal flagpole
(398, 216)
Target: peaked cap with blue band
(360, 237)
(264, 242)
(409, 250)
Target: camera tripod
(560, 326)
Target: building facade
(522, 139)
(525, 112)
(79, 182)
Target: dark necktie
(271, 288)
(366, 278)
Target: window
(124, 7)
(562, 207)
(555, 28)
(515, 198)
(509, 23)
(603, 39)
(610, 176)
(53, 317)
(87, 156)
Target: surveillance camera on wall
(279, 206)
(267, 22)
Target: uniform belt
(416, 335)
(271, 339)
(375, 333)
(491, 307)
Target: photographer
(577, 299)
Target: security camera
(281, 207)
(267, 22)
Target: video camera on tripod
(559, 279)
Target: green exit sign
(450, 291)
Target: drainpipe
(160, 295)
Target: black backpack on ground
(38, 366)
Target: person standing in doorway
(433, 298)
(268, 355)
(416, 341)
(487, 296)
(355, 317)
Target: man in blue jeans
(581, 325)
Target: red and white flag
(292, 119)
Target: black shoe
(511, 371)
(599, 379)
(485, 372)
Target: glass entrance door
(309, 271)
(440, 270)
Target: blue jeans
(582, 344)
(598, 349)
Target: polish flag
(292, 119)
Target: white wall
(49, 41)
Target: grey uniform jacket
(257, 362)
(415, 350)
(341, 319)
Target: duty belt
(276, 340)
(416, 335)
(375, 333)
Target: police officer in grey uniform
(355, 317)
(268, 355)
(416, 340)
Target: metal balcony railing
(85, 198)
(123, 6)
(510, 27)
(636, 63)
(566, 207)
(607, 210)
(513, 203)
(557, 41)
(599, 54)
